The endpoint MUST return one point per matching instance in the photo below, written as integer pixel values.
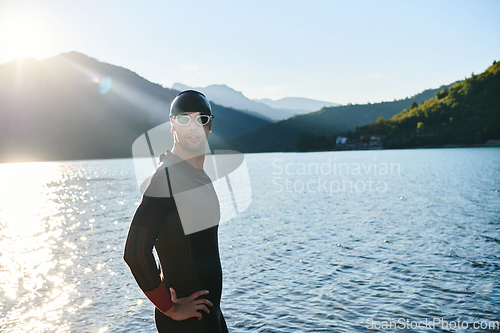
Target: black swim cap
(190, 101)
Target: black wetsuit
(188, 262)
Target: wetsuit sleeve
(138, 254)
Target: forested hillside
(468, 112)
(282, 135)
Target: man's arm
(138, 253)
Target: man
(178, 216)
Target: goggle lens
(183, 120)
(202, 120)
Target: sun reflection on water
(32, 285)
(61, 235)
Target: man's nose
(193, 124)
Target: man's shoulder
(168, 159)
(158, 183)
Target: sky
(337, 51)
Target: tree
(321, 143)
(304, 142)
(308, 141)
(413, 105)
(442, 94)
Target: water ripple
(295, 261)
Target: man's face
(192, 137)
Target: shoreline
(377, 147)
(380, 147)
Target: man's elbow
(126, 257)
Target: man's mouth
(193, 138)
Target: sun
(25, 35)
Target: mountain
(224, 95)
(282, 135)
(296, 103)
(72, 106)
(465, 113)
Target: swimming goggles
(184, 119)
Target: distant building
(341, 140)
(365, 137)
(371, 139)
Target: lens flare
(105, 85)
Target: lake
(332, 242)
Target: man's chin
(198, 148)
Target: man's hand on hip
(188, 307)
